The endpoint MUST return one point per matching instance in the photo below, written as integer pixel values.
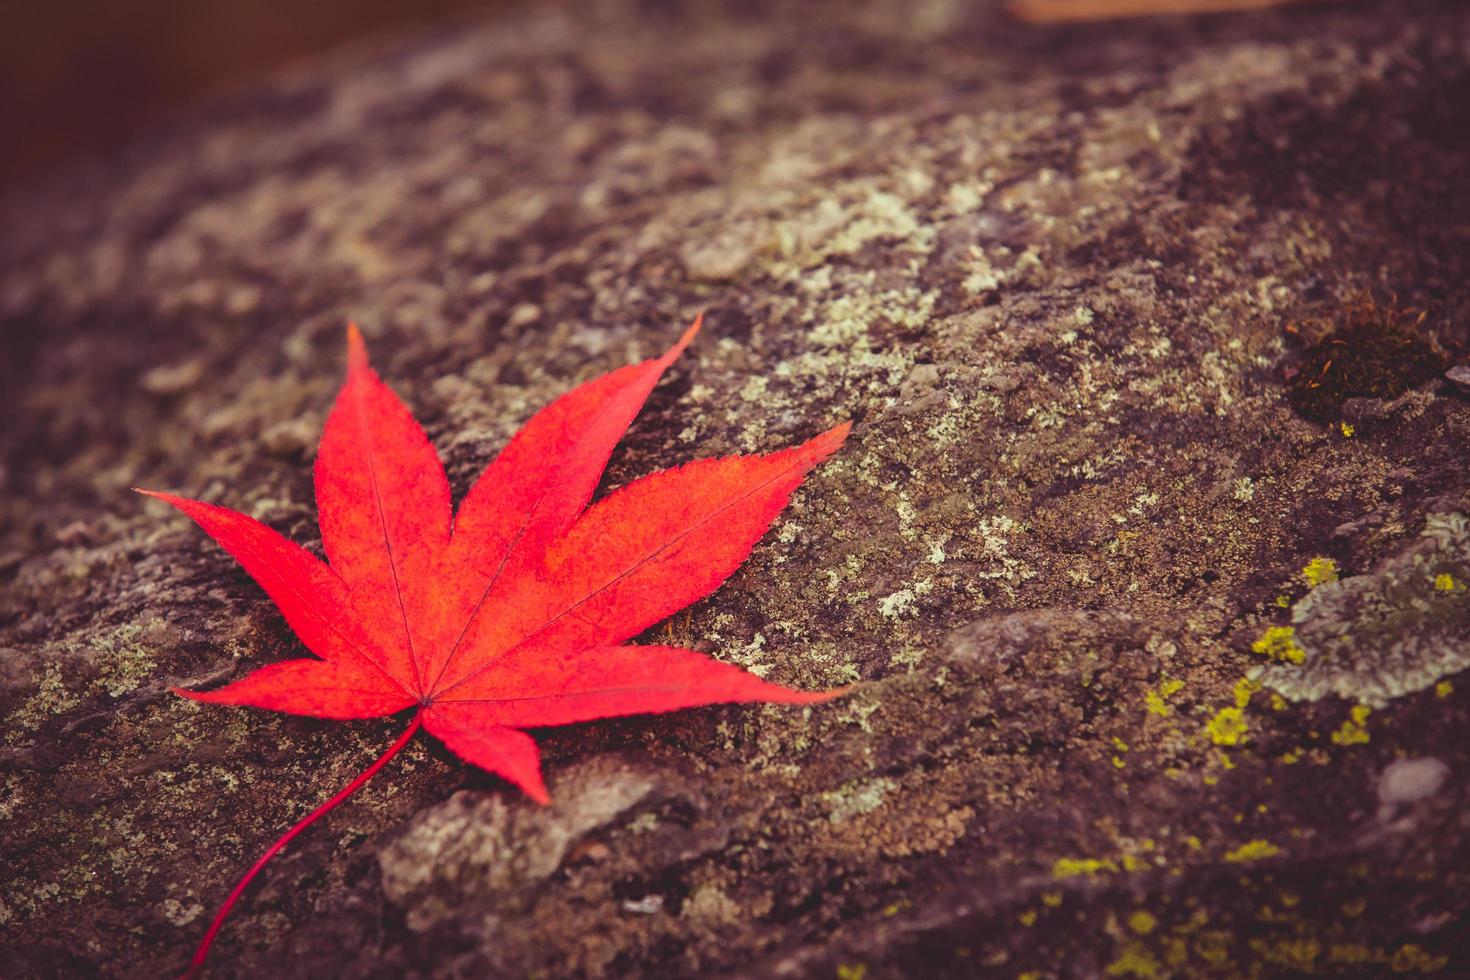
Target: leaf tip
(166, 497)
(684, 339)
(834, 693)
(693, 330)
(829, 442)
(533, 784)
(821, 697)
(357, 357)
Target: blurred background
(83, 76)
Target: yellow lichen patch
(1354, 953)
(1118, 762)
(1409, 958)
(1354, 731)
(1253, 850)
(1079, 867)
(1320, 571)
(1278, 703)
(1279, 643)
(1027, 918)
(1051, 899)
(1157, 701)
(1283, 601)
(1213, 947)
(1228, 727)
(1142, 922)
(1134, 961)
(1267, 914)
(1444, 689)
(1414, 957)
(1244, 688)
(1296, 955)
(1444, 582)
(1090, 867)
(852, 971)
(1347, 429)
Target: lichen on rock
(1050, 274)
(1391, 631)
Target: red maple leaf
(512, 612)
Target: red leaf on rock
(512, 612)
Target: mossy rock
(1051, 274)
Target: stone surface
(1459, 376)
(1060, 278)
(1411, 780)
(1397, 629)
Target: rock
(1411, 780)
(18, 675)
(171, 379)
(292, 438)
(1053, 276)
(1459, 376)
(723, 257)
(484, 848)
(1398, 629)
(998, 639)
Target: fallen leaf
(514, 611)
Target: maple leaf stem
(196, 965)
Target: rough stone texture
(1050, 274)
(1387, 633)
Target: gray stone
(1459, 376)
(479, 848)
(1411, 780)
(1393, 631)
